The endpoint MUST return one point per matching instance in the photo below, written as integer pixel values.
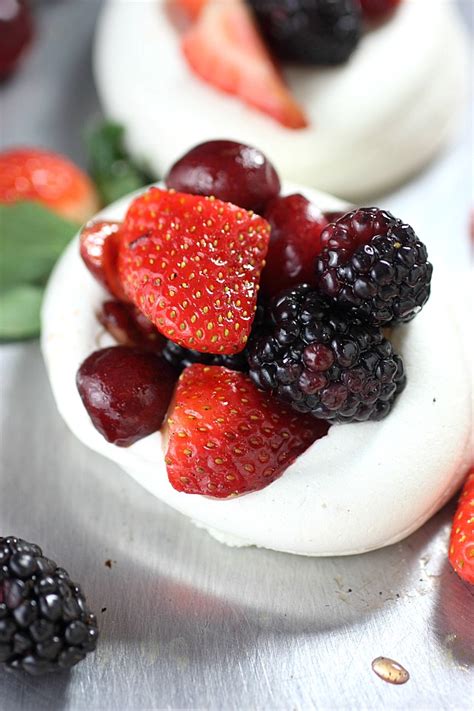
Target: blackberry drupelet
(374, 266)
(45, 625)
(324, 362)
(310, 31)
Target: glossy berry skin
(324, 362)
(374, 266)
(461, 544)
(49, 178)
(129, 327)
(378, 9)
(226, 437)
(320, 32)
(295, 241)
(126, 392)
(192, 265)
(98, 245)
(45, 624)
(232, 172)
(16, 32)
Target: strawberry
(224, 48)
(461, 544)
(192, 265)
(99, 251)
(192, 8)
(35, 174)
(226, 437)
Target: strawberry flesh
(99, 251)
(192, 265)
(226, 437)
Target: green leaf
(112, 170)
(20, 312)
(31, 239)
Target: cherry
(230, 171)
(376, 9)
(16, 32)
(126, 392)
(296, 226)
(99, 250)
(129, 326)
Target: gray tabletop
(186, 622)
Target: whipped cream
(363, 486)
(373, 122)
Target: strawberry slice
(225, 49)
(34, 174)
(99, 250)
(192, 265)
(226, 437)
(461, 544)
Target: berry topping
(192, 265)
(126, 392)
(461, 544)
(99, 250)
(16, 32)
(34, 174)
(45, 624)
(325, 362)
(296, 226)
(129, 326)
(228, 170)
(310, 31)
(374, 266)
(224, 48)
(226, 437)
(376, 9)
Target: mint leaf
(112, 170)
(20, 312)
(31, 239)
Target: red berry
(99, 242)
(296, 226)
(224, 48)
(126, 392)
(461, 544)
(376, 9)
(35, 174)
(192, 265)
(226, 437)
(228, 170)
(192, 7)
(129, 326)
(16, 32)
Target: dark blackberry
(323, 362)
(374, 266)
(45, 625)
(310, 31)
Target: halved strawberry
(226, 437)
(225, 49)
(35, 174)
(99, 250)
(192, 265)
(461, 544)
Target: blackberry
(310, 31)
(324, 362)
(45, 625)
(374, 266)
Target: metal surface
(185, 621)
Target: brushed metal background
(188, 623)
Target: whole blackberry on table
(45, 624)
(310, 31)
(374, 266)
(324, 362)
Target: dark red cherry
(99, 243)
(16, 32)
(296, 226)
(228, 170)
(129, 326)
(126, 392)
